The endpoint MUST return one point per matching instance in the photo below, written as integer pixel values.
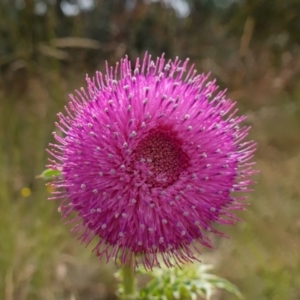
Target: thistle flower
(151, 157)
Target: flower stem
(128, 281)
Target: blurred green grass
(39, 259)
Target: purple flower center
(161, 151)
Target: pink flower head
(150, 157)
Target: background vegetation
(47, 47)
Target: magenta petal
(150, 158)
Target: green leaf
(49, 174)
(189, 283)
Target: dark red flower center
(162, 152)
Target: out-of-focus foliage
(47, 46)
(243, 42)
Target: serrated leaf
(187, 283)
